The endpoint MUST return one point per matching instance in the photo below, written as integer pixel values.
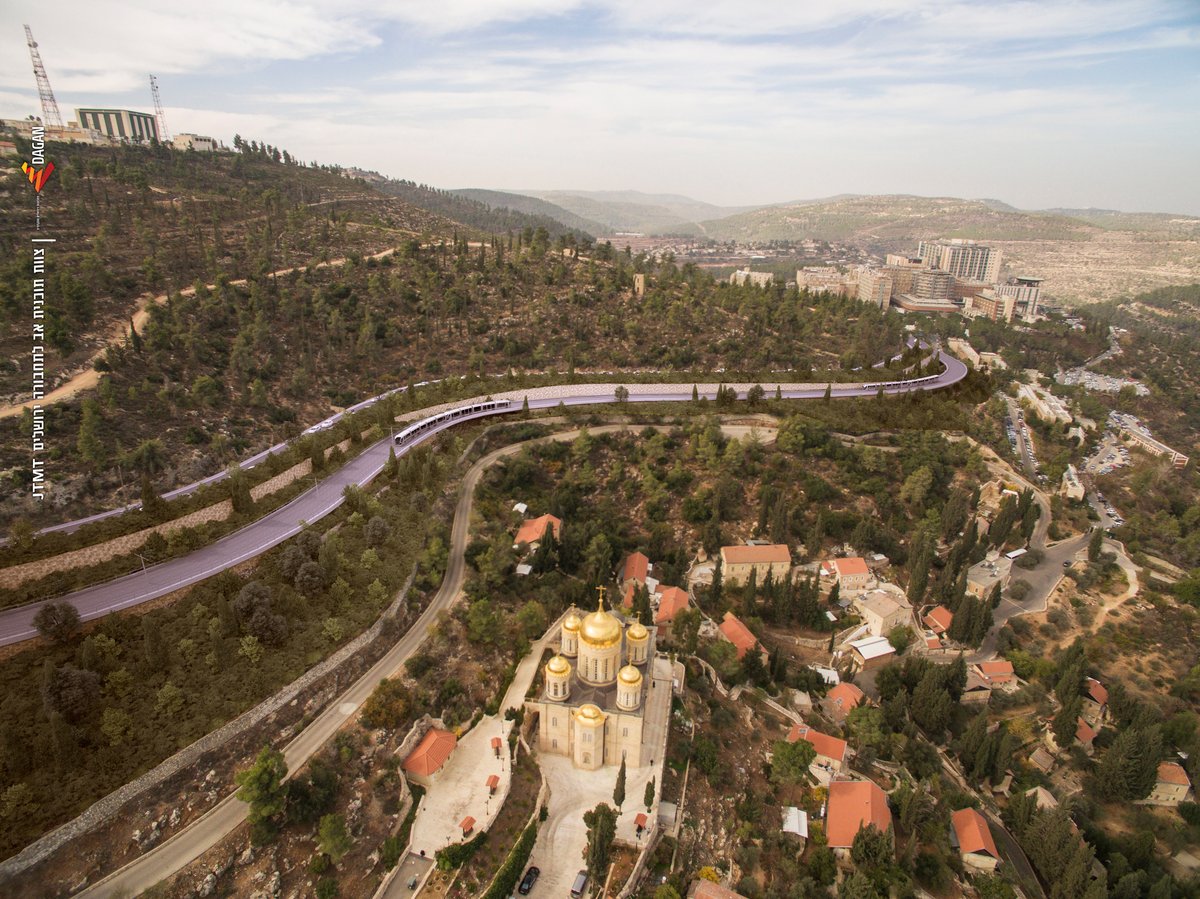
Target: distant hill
(631, 210)
(472, 212)
(881, 221)
(1115, 220)
(498, 199)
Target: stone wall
(310, 687)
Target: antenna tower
(163, 134)
(50, 113)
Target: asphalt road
(96, 601)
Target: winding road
(269, 531)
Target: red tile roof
(467, 824)
(843, 698)
(431, 753)
(671, 602)
(743, 555)
(1173, 773)
(852, 806)
(637, 566)
(830, 747)
(738, 634)
(973, 833)
(1097, 691)
(534, 529)
(640, 820)
(938, 619)
(1084, 732)
(850, 567)
(933, 643)
(999, 671)
(493, 781)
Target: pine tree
(1095, 545)
(1066, 722)
(261, 786)
(648, 798)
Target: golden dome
(558, 665)
(629, 675)
(601, 628)
(571, 623)
(589, 714)
(637, 632)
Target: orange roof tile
(850, 567)
(938, 619)
(843, 698)
(534, 529)
(493, 781)
(467, 824)
(738, 634)
(431, 753)
(852, 806)
(637, 566)
(1173, 773)
(744, 555)
(973, 833)
(1084, 732)
(671, 602)
(998, 671)
(640, 820)
(830, 747)
(1097, 691)
(933, 643)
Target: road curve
(269, 531)
(209, 829)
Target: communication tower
(49, 106)
(163, 134)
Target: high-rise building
(874, 287)
(964, 259)
(120, 124)
(932, 285)
(1025, 291)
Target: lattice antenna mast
(50, 113)
(163, 134)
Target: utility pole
(159, 115)
(50, 115)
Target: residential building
(1085, 735)
(998, 673)
(196, 142)
(976, 691)
(962, 258)
(851, 574)
(831, 751)
(671, 601)
(426, 760)
(635, 570)
(1044, 798)
(938, 619)
(874, 287)
(738, 634)
(842, 700)
(593, 710)
(1171, 786)
(881, 612)
(532, 532)
(738, 561)
(120, 124)
(745, 276)
(870, 653)
(1072, 487)
(982, 577)
(986, 304)
(1095, 700)
(854, 805)
(973, 839)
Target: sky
(1085, 103)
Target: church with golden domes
(593, 703)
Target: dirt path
(89, 378)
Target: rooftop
(738, 634)
(754, 555)
(637, 566)
(431, 753)
(831, 747)
(971, 829)
(671, 602)
(852, 806)
(1173, 773)
(998, 671)
(534, 529)
(872, 647)
(845, 697)
(855, 565)
(938, 619)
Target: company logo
(38, 177)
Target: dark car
(528, 880)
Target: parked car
(580, 884)
(529, 880)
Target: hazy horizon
(1039, 105)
